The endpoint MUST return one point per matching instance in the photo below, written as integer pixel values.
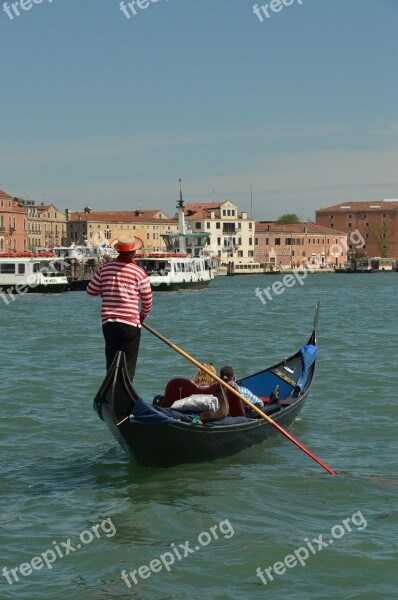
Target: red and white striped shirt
(122, 284)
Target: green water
(62, 473)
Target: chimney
(244, 216)
(68, 214)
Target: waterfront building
(376, 221)
(53, 225)
(300, 245)
(13, 224)
(231, 232)
(34, 224)
(97, 228)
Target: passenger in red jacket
(126, 301)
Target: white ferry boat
(25, 272)
(186, 264)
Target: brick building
(377, 222)
(299, 245)
(13, 224)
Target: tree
(288, 219)
(382, 235)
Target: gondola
(155, 435)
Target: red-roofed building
(232, 233)
(377, 223)
(13, 224)
(95, 228)
(300, 245)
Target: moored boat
(27, 272)
(156, 435)
(171, 271)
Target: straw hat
(127, 243)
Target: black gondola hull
(175, 442)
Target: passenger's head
(202, 378)
(227, 374)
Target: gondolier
(126, 301)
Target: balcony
(229, 230)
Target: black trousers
(120, 336)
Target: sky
(103, 110)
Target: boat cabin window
(7, 268)
(21, 269)
(36, 267)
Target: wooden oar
(234, 391)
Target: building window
(250, 254)
(384, 215)
(232, 213)
(277, 241)
(366, 235)
(250, 225)
(218, 241)
(331, 225)
(349, 224)
(256, 241)
(224, 212)
(240, 254)
(331, 217)
(349, 216)
(218, 225)
(365, 216)
(250, 241)
(208, 224)
(267, 241)
(239, 241)
(239, 225)
(228, 213)
(197, 225)
(367, 224)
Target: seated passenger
(228, 374)
(202, 379)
